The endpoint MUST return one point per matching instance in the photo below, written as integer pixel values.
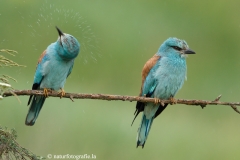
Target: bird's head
(69, 44)
(175, 47)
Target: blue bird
(54, 66)
(162, 76)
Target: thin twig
(218, 98)
(235, 108)
(71, 97)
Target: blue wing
(149, 83)
(149, 88)
(38, 77)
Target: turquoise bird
(54, 66)
(162, 76)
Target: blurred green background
(117, 39)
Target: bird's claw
(45, 92)
(173, 100)
(157, 100)
(61, 93)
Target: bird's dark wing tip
(30, 99)
(135, 116)
(160, 109)
(139, 108)
(35, 86)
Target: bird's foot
(61, 93)
(45, 91)
(157, 101)
(173, 100)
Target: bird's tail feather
(143, 130)
(35, 107)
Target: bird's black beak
(59, 32)
(189, 51)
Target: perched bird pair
(162, 76)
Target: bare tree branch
(109, 97)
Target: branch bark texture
(72, 96)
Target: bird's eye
(177, 48)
